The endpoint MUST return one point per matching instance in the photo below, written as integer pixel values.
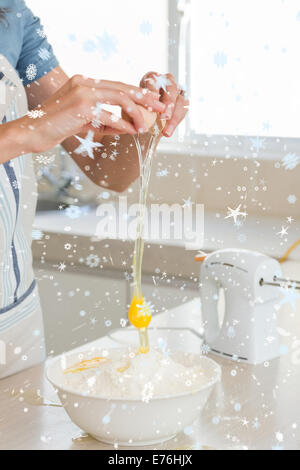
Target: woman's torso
(18, 195)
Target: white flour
(127, 374)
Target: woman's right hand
(74, 107)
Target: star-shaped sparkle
(62, 266)
(283, 232)
(235, 213)
(98, 110)
(87, 145)
(187, 203)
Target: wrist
(19, 136)
(26, 135)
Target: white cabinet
(78, 307)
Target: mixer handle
(209, 292)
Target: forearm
(15, 139)
(115, 166)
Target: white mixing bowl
(131, 422)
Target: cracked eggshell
(150, 119)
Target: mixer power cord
(289, 251)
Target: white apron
(21, 324)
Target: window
(115, 39)
(242, 74)
(238, 61)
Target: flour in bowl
(129, 374)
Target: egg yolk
(86, 364)
(139, 313)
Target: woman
(65, 111)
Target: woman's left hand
(172, 96)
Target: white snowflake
(41, 33)
(147, 392)
(161, 82)
(146, 27)
(45, 159)
(36, 113)
(146, 309)
(98, 109)
(114, 155)
(257, 143)
(290, 297)
(44, 54)
(231, 332)
(205, 349)
(96, 123)
(220, 59)
(161, 173)
(163, 346)
(37, 234)
(115, 118)
(292, 199)
(256, 424)
(73, 212)
(92, 261)
(107, 45)
(290, 161)
(242, 238)
(31, 72)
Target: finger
(181, 110)
(114, 98)
(149, 99)
(117, 124)
(128, 89)
(103, 130)
(146, 99)
(148, 81)
(112, 131)
(169, 98)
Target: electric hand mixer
(249, 330)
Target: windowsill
(217, 146)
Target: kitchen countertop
(55, 230)
(259, 233)
(256, 408)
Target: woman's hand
(78, 107)
(171, 95)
